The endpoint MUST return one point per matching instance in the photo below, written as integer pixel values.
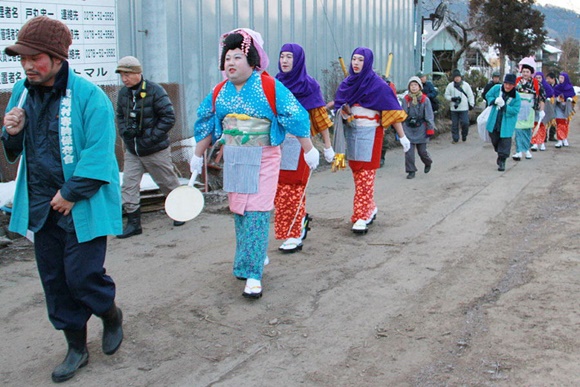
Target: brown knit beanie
(42, 34)
(129, 64)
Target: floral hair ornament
(250, 37)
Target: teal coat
(87, 140)
(510, 115)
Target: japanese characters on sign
(93, 53)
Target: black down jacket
(148, 131)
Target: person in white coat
(460, 95)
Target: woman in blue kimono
(251, 113)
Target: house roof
(551, 49)
(430, 34)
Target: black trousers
(502, 145)
(72, 275)
(459, 119)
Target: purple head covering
(303, 86)
(366, 88)
(547, 86)
(565, 88)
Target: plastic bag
(482, 124)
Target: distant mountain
(560, 23)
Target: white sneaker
(542, 147)
(565, 142)
(266, 261)
(517, 156)
(528, 155)
(558, 144)
(253, 288)
(360, 227)
(373, 216)
(534, 147)
(291, 245)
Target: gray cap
(129, 64)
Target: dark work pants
(501, 145)
(410, 157)
(73, 277)
(459, 118)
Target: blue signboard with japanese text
(93, 26)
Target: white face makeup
(237, 68)
(357, 62)
(286, 61)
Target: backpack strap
(268, 84)
(216, 91)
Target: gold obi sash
(243, 130)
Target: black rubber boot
(112, 330)
(501, 165)
(76, 357)
(133, 226)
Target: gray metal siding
(177, 40)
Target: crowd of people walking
(68, 191)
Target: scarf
(303, 86)
(366, 88)
(415, 97)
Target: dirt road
(469, 276)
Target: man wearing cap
(501, 123)
(144, 116)
(67, 189)
(430, 91)
(495, 80)
(460, 95)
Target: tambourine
(185, 202)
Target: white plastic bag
(482, 124)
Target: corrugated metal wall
(177, 40)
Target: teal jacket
(87, 137)
(510, 115)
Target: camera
(133, 124)
(414, 122)
(456, 101)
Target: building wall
(177, 40)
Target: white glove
(329, 154)
(542, 115)
(499, 102)
(405, 143)
(570, 99)
(196, 164)
(312, 158)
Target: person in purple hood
(565, 101)
(539, 138)
(368, 104)
(291, 221)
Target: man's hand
(60, 204)
(14, 121)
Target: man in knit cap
(67, 190)
(461, 99)
(145, 116)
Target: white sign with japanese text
(93, 25)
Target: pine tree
(512, 26)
